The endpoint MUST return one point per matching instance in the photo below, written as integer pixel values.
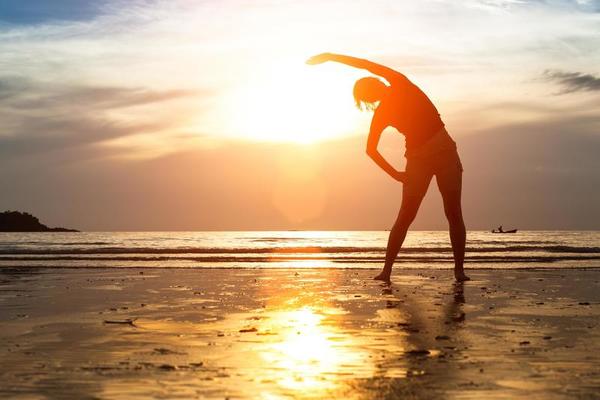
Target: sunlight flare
(292, 102)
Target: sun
(293, 102)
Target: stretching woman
(429, 151)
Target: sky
(201, 115)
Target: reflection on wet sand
(307, 348)
(306, 334)
(319, 342)
(308, 356)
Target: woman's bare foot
(461, 277)
(383, 277)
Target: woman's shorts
(439, 157)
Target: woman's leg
(408, 212)
(450, 185)
(418, 177)
(458, 234)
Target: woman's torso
(410, 111)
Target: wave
(40, 243)
(340, 259)
(290, 250)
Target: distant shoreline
(16, 221)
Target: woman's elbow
(371, 151)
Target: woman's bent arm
(372, 151)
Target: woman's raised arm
(380, 70)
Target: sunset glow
(186, 109)
(283, 199)
(276, 103)
(316, 199)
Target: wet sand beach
(305, 333)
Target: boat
(500, 231)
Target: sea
(295, 249)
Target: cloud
(41, 118)
(11, 87)
(45, 134)
(103, 98)
(574, 81)
(41, 11)
(583, 5)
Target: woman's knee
(454, 214)
(406, 216)
(452, 207)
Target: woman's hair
(363, 89)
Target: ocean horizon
(295, 249)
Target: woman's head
(367, 92)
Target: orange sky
(203, 115)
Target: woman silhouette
(429, 151)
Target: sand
(265, 333)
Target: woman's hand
(319, 59)
(400, 176)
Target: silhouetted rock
(15, 221)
